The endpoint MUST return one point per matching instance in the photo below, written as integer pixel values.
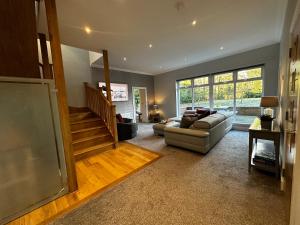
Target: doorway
(140, 104)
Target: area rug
(184, 187)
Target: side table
(256, 132)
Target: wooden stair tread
(87, 120)
(91, 137)
(92, 148)
(88, 129)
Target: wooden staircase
(89, 133)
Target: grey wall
(165, 88)
(77, 71)
(133, 80)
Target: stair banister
(102, 107)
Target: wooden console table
(256, 132)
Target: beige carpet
(184, 187)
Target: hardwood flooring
(94, 175)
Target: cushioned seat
(190, 132)
(209, 121)
(205, 133)
(160, 127)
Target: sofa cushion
(189, 132)
(209, 121)
(119, 118)
(187, 121)
(203, 111)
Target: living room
(199, 124)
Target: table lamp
(268, 103)
(155, 107)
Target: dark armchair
(126, 128)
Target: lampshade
(269, 101)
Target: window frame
(212, 83)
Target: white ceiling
(126, 27)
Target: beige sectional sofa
(202, 135)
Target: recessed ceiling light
(150, 45)
(124, 59)
(87, 30)
(194, 22)
(221, 48)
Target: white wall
(77, 71)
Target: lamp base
(266, 124)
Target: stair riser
(76, 136)
(78, 110)
(94, 152)
(89, 143)
(82, 116)
(79, 126)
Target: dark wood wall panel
(18, 39)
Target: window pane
(248, 74)
(185, 83)
(201, 81)
(223, 97)
(201, 96)
(185, 99)
(248, 96)
(223, 78)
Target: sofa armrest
(127, 120)
(184, 131)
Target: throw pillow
(203, 113)
(187, 121)
(119, 118)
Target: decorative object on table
(269, 103)
(126, 128)
(266, 122)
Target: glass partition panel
(32, 167)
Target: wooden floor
(95, 174)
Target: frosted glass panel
(31, 166)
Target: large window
(201, 92)
(249, 89)
(237, 91)
(185, 95)
(223, 92)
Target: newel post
(106, 74)
(114, 124)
